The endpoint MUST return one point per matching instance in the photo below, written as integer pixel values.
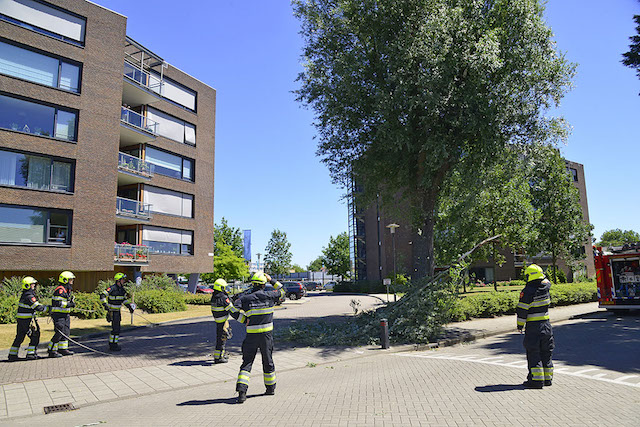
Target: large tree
(632, 58)
(277, 257)
(316, 264)
(618, 237)
(405, 90)
(562, 230)
(224, 233)
(336, 255)
(227, 264)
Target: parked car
(203, 288)
(329, 286)
(294, 290)
(312, 286)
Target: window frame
(47, 228)
(46, 32)
(60, 59)
(184, 127)
(55, 117)
(182, 158)
(52, 159)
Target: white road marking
(518, 365)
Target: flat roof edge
(106, 8)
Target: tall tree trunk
(423, 251)
(553, 265)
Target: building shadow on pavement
(498, 387)
(600, 339)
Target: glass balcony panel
(138, 120)
(136, 74)
(133, 208)
(130, 253)
(134, 164)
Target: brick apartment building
(372, 252)
(106, 151)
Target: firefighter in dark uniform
(257, 313)
(61, 304)
(27, 323)
(112, 299)
(533, 315)
(221, 307)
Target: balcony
(136, 128)
(132, 170)
(131, 211)
(140, 87)
(125, 254)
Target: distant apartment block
(372, 253)
(106, 150)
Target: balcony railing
(138, 120)
(133, 208)
(130, 253)
(143, 78)
(135, 165)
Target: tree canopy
(632, 58)
(336, 255)
(405, 90)
(316, 264)
(618, 237)
(224, 233)
(277, 257)
(227, 264)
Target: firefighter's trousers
(538, 341)
(250, 346)
(23, 327)
(62, 325)
(222, 329)
(116, 320)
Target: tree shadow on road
(498, 387)
(192, 363)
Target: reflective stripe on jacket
(221, 306)
(534, 303)
(257, 308)
(114, 297)
(60, 300)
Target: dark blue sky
(267, 175)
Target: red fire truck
(618, 276)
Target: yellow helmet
(219, 285)
(258, 278)
(27, 282)
(119, 276)
(533, 272)
(65, 276)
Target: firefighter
(27, 323)
(533, 316)
(61, 304)
(221, 307)
(257, 313)
(112, 299)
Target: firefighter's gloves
(109, 316)
(227, 334)
(71, 303)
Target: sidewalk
(175, 357)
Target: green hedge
(8, 309)
(160, 301)
(489, 304)
(88, 306)
(197, 299)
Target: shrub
(560, 276)
(159, 281)
(160, 301)
(516, 283)
(573, 293)
(11, 286)
(197, 299)
(8, 309)
(88, 306)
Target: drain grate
(59, 408)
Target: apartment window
(37, 172)
(172, 127)
(27, 225)
(173, 91)
(170, 164)
(168, 240)
(38, 68)
(39, 119)
(45, 19)
(168, 202)
(574, 174)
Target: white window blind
(168, 202)
(45, 17)
(159, 234)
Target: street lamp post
(392, 229)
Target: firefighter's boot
(12, 357)
(547, 383)
(242, 396)
(65, 352)
(114, 346)
(54, 354)
(271, 390)
(533, 384)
